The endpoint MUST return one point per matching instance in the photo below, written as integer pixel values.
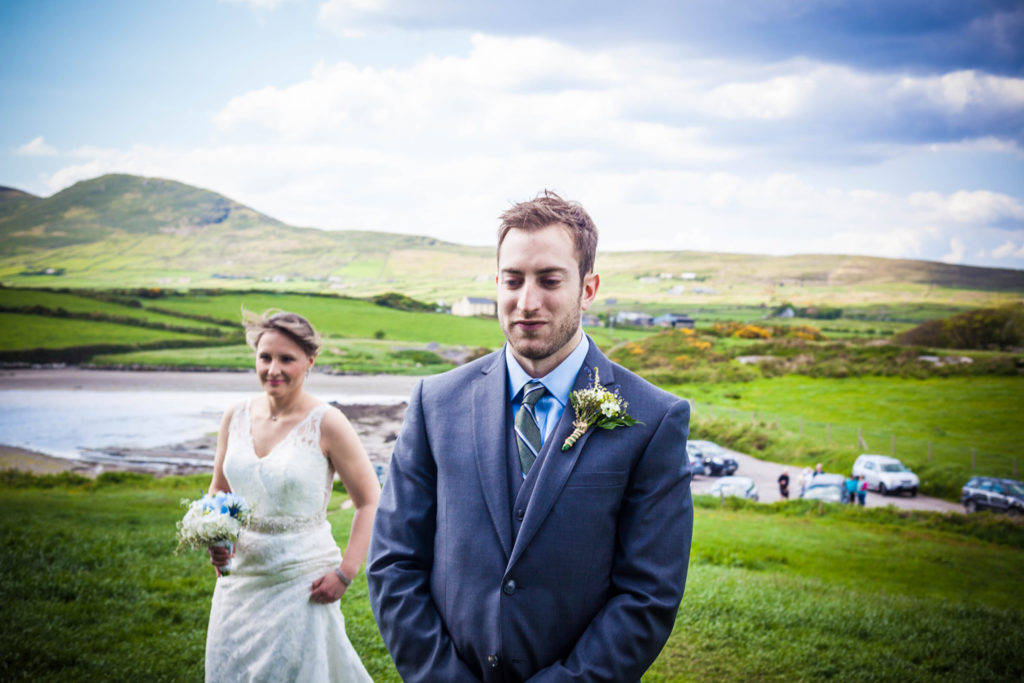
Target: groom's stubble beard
(562, 332)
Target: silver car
(741, 487)
(826, 487)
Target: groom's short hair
(547, 208)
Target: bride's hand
(327, 589)
(219, 557)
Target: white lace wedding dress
(262, 625)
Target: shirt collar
(558, 382)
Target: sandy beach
(376, 422)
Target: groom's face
(541, 297)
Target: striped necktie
(528, 436)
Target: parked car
(741, 487)
(886, 475)
(695, 457)
(827, 487)
(716, 462)
(991, 493)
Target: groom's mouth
(529, 325)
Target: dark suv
(991, 493)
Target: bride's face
(281, 364)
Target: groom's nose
(529, 296)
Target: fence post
(892, 447)
(974, 459)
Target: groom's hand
(327, 589)
(219, 557)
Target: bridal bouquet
(213, 521)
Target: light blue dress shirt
(558, 382)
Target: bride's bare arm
(342, 446)
(221, 556)
(219, 481)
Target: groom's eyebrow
(542, 271)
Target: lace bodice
(292, 483)
(263, 626)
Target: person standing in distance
(502, 549)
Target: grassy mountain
(128, 231)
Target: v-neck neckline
(252, 438)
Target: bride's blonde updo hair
(292, 325)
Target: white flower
(609, 408)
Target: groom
(496, 554)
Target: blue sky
(892, 128)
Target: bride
(275, 616)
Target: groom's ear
(588, 292)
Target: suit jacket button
(510, 587)
(493, 660)
(520, 513)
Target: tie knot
(532, 392)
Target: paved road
(766, 475)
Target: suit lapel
(489, 414)
(556, 465)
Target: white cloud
(975, 207)
(1008, 250)
(37, 147)
(442, 145)
(957, 249)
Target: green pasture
(360, 336)
(345, 318)
(93, 590)
(948, 428)
(22, 331)
(341, 355)
(27, 298)
(357, 319)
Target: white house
(469, 306)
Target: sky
(890, 128)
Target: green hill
(128, 231)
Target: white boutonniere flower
(596, 406)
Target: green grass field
(954, 414)
(26, 298)
(92, 590)
(357, 319)
(21, 331)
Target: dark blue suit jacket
(578, 577)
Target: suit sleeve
(402, 556)
(655, 528)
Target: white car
(742, 487)
(886, 475)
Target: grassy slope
(955, 414)
(25, 298)
(19, 331)
(93, 590)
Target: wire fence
(858, 439)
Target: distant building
(674, 320)
(589, 320)
(469, 306)
(676, 289)
(787, 312)
(687, 276)
(633, 318)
